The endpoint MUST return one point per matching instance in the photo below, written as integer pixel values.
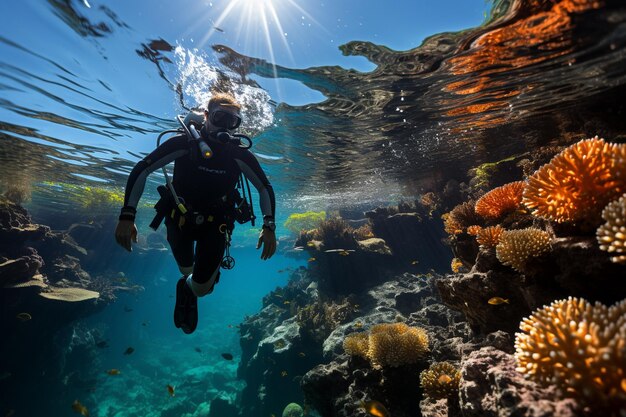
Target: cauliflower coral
(389, 344)
(612, 234)
(440, 380)
(579, 347)
(577, 183)
(500, 200)
(516, 247)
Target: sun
(253, 23)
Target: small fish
(374, 408)
(498, 300)
(170, 390)
(298, 248)
(311, 260)
(127, 309)
(129, 350)
(301, 354)
(197, 349)
(79, 408)
(444, 379)
(23, 317)
(283, 373)
(144, 324)
(113, 371)
(310, 244)
(286, 302)
(102, 344)
(344, 253)
(227, 356)
(414, 262)
(218, 29)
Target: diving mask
(225, 120)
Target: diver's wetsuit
(203, 185)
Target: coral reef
(500, 201)
(577, 183)
(579, 347)
(440, 380)
(489, 237)
(612, 234)
(460, 218)
(516, 247)
(304, 221)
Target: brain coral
(440, 380)
(516, 247)
(389, 344)
(580, 348)
(577, 183)
(489, 236)
(500, 200)
(612, 234)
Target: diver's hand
(125, 232)
(267, 238)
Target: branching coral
(579, 347)
(612, 235)
(489, 237)
(577, 183)
(459, 218)
(516, 247)
(440, 380)
(500, 200)
(321, 318)
(389, 344)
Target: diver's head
(222, 114)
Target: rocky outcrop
(491, 387)
(574, 267)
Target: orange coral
(579, 347)
(459, 218)
(489, 237)
(500, 200)
(474, 230)
(577, 183)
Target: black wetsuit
(204, 185)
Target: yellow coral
(304, 221)
(389, 344)
(440, 380)
(580, 348)
(456, 265)
(500, 200)
(612, 235)
(516, 247)
(489, 237)
(357, 344)
(396, 344)
(577, 183)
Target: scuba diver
(202, 201)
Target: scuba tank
(198, 147)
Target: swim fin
(186, 308)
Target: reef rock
(491, 387)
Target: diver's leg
(186, 301)
(206, 271)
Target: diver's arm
(252, 170)
(169, 151)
